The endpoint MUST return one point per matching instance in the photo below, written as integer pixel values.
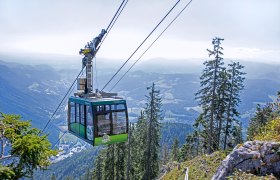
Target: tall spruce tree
(208, 96)
(236, 84)
(153, 116)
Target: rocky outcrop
(256, 157)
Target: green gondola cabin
(98, 121)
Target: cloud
(250, 27)
(253, 54)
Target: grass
(113, 139)
(201, 167)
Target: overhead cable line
(58, 139)
(116, 15)
(151, 44)
(61, 101)
(140, 45)
(109, 27)
(71, 90)
(115, 18)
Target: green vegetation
(200, 167)
(270, 132)
(22, 148)
(261, 123)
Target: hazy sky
(251, 28)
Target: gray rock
(256, 157)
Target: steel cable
(140, 45)
(151, 45)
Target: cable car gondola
(96, 117)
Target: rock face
(256, 157)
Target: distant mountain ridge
(35, 91)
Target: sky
(51, 28)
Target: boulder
(256, 157)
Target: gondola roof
(96, 101)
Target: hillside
(201, 167)
(204, 167)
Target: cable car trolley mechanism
(97, 117)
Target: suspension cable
(71, 90)
(61, 101)
(114, 16)
(113, 21)
(151, 44)
(140, 45)
(58, 139)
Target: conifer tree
(153, 116)
(208, 96)
(236, 80)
